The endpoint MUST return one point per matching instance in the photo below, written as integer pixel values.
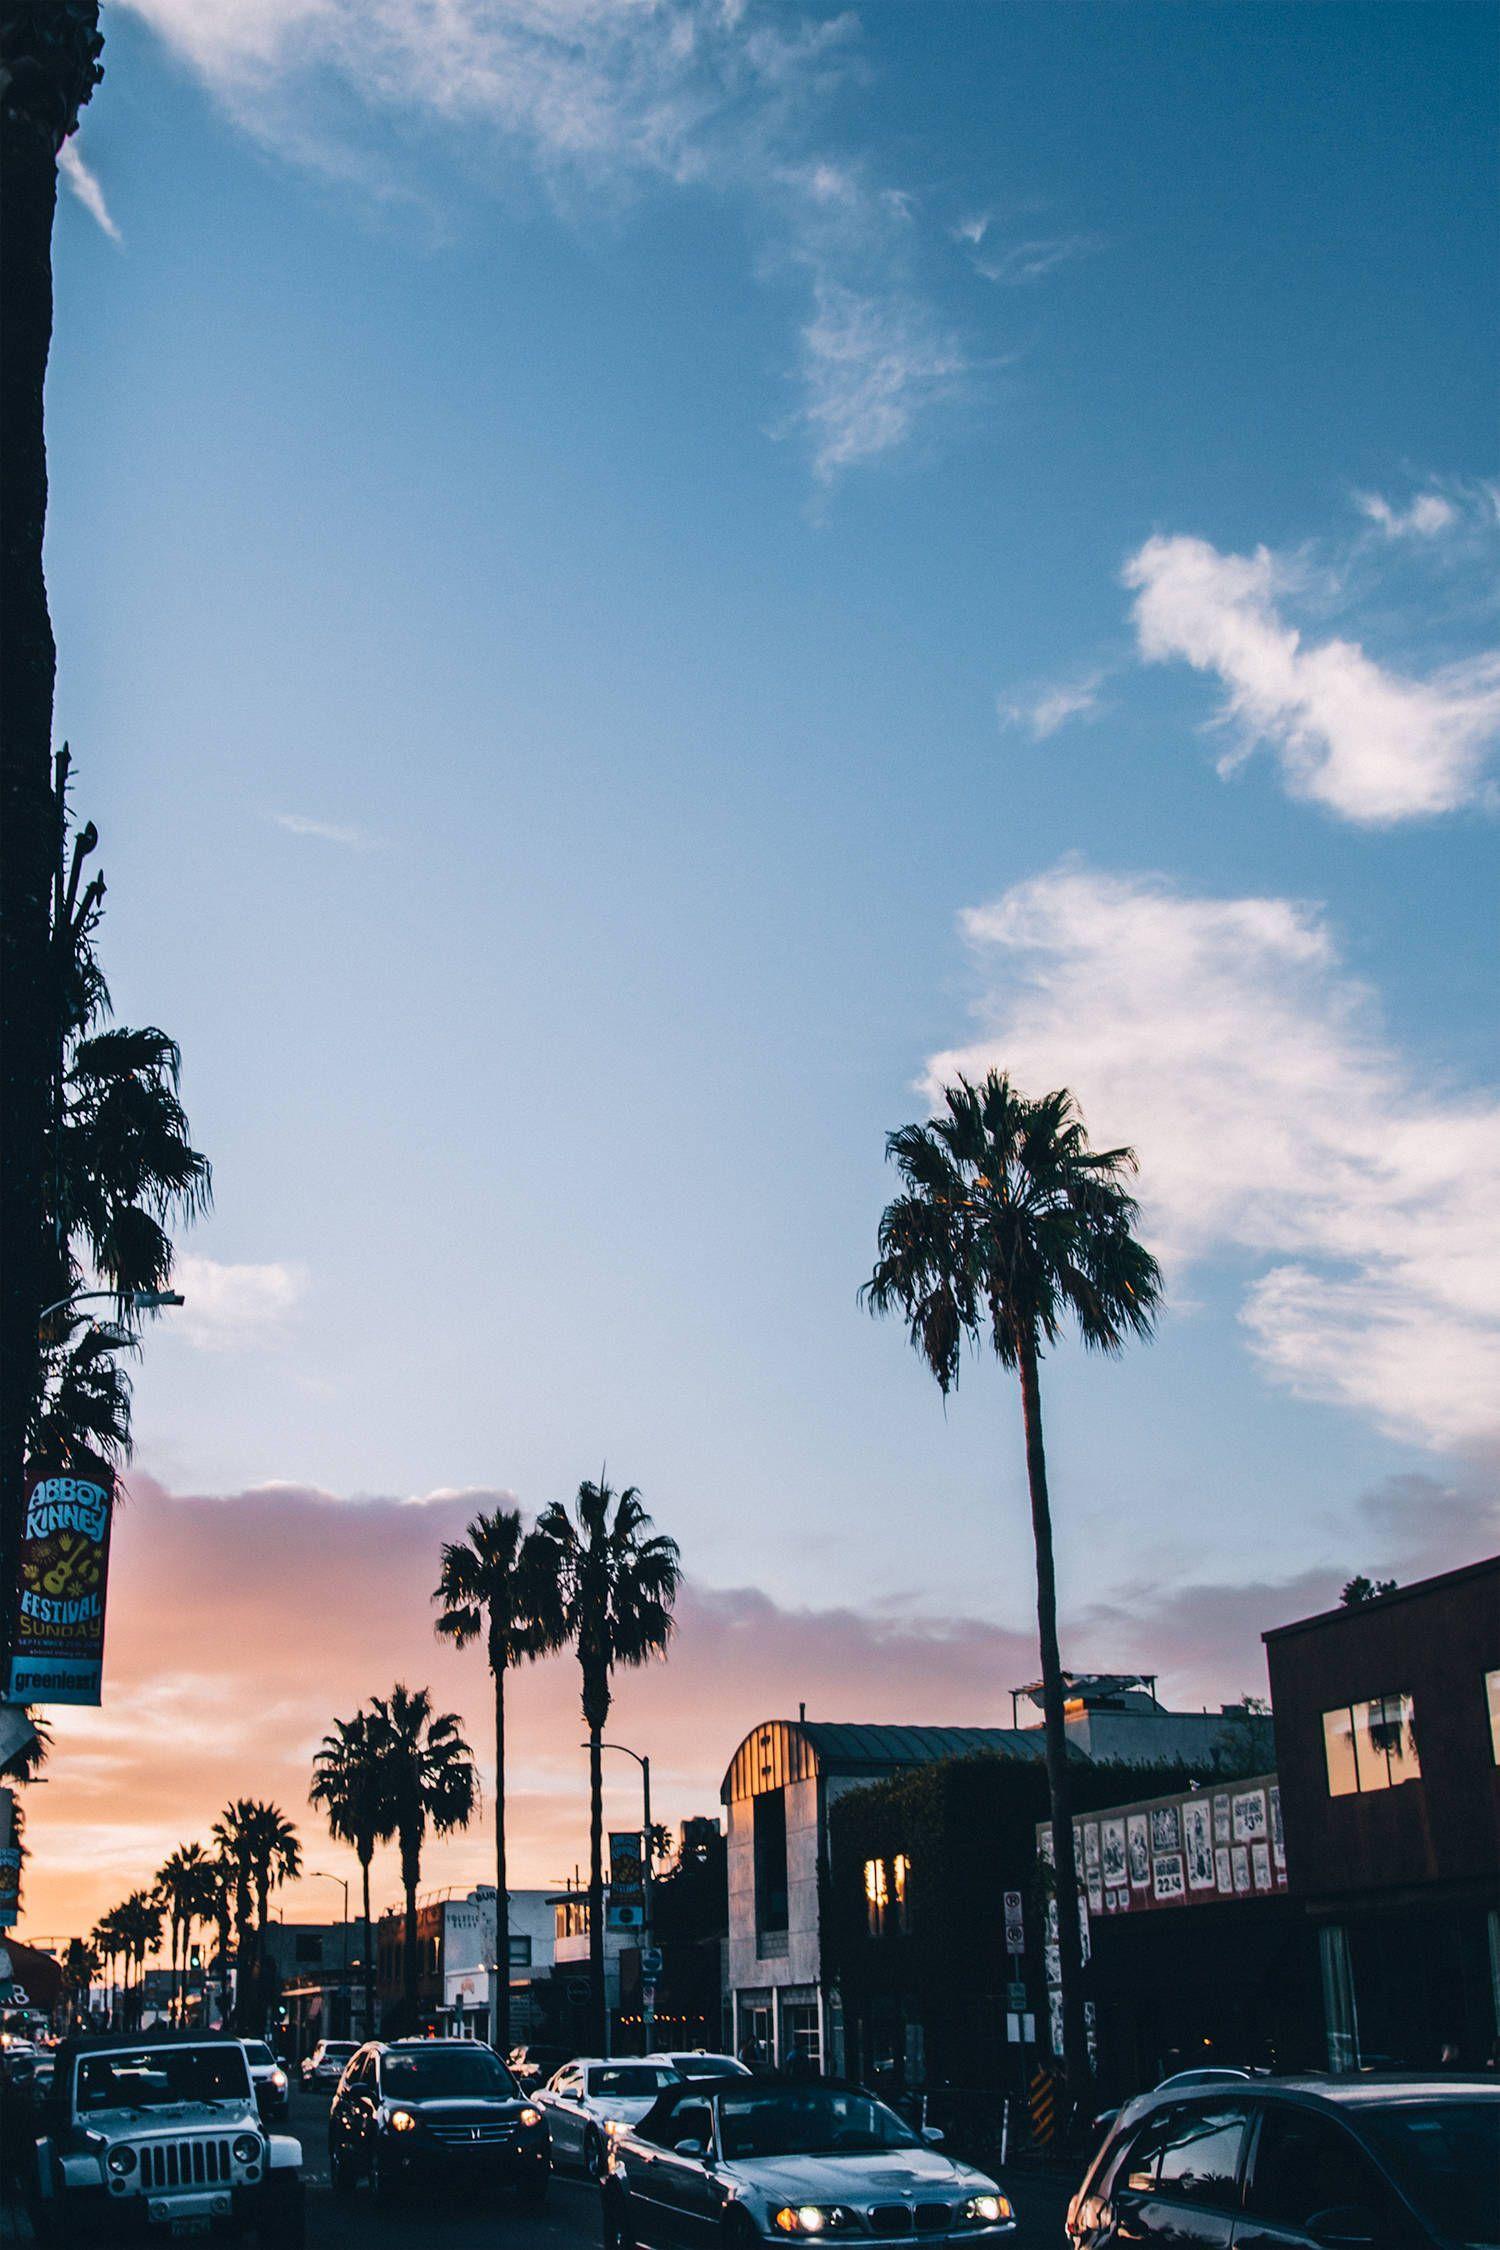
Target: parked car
(149, 2139)
(531, 2066)
(590, 2099)
(745, 2159)
(324, 2067)
(697, 2062)
(272, 2091)
(445, 2112)
(1367, 2163)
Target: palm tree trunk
(598, 1996)
(1065, 1871)
(411, 1870)
(502, 1893)
(369, 1956)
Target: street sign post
(1015, 1923)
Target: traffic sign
(1015, 1923)
(650, 1960)
(1015, 1996)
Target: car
(147, 2139)
(437, 2111)
(697, 2062)
(744, 2160)
(272, 2093)
(531, 2066)
(1363, 2163)
(324, 2067)
(592, 2097)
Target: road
(568, 2221)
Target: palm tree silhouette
(496, 1582)
(186, 1883)
(429, 1779)
(1008, 1224)
(616, 1582)
(263, 1849)
(349, 1787)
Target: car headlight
(531, 2117)
(987, 2210)
(246, 2148)
(402, 2121)
(121, 2161)
(278, 2080)
(809, 2218)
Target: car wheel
(739, 2228)
(342, 2170)
(593, 2155)
(384, 2178)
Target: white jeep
(151, 2139)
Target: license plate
(195, 2225)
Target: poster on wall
(1278, 1834)
(627, 1897)
(1221, 1820)
(1250, 1816)
(57, 1613)
(1112, 1850)
(1167, 1881)
(1223, 1873)
(1197, 1824)
(1139, 1849)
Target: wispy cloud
(324, 831)
(85, 185)
(1013, 261)
(1424, 517)
(1043, 710)
(1370, 743)
(1223, 1040)
(871, 367)
(234, 1307)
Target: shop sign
(57, 1615)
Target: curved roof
(783, 1750)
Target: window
(1190, 2155)
(572, 1917)
(886, 1885)
(801, 2035)
(1371, 1745)
(692, 2121)
(1304, 2164)
(1492, 1691)
(520, 1952)
(770, 1861)
(900, 1874)
(877, 1895)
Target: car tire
(593, 2155)
(384, 2179)
(740, 2230)
(342, 2170)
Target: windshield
(148, 2078)
(434, 2073)
(1446, 2155)
(260, 2056)
(810, 2121)
(336, 2050)
(640, 2082)
(710, 2066)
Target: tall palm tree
(81, 1967)
(349, 1785)
(105, 1939)
(140, 1919)
(616, 1581)
(428, 1774)
(49, 66)
(231, 1835)
(1008, 1224)
(496, 1582)
(262, 1847)
(184, 1883)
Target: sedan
(324, 2067)
(268, 2078)
(697, 2062)
(1285, 2164)
(590, 2100)
(442, 2112)
(738, 2161)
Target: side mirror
(1345, 2226)
(690, 2147)
(933, 2135)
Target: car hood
(167, 2119)
(627, 2109)
(459, 2109)
(863, 2176)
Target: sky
(640, 581)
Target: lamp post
(321, 1875)
(141, 1300)
(648, 1984)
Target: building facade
(456, 1961)
(1388, 1752)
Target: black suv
(1362, 2163)
(442, 2111)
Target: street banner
(10, 1868)
(627, 1895)
(57, 1621)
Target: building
(787, 1775)
(569, 1999)
(1388, 1752)
(456, 1960)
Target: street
(569, 2220)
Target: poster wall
(1174, 1851)
(57, 1615)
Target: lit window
(876, 1894)
(901, 1870)
(1371, 1745)
(1492, 1690)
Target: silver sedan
(740, 2161)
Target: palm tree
(616, 1581)
(139, 1921)
(105, 1939)
(495, 1582)
(428, 1775)
(231, 1834)
(1008, 1223)
(262, 1849)
(49, 65)
(80, 1972)
(185, 1883)
(349, 1784)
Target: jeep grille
(196, 2163)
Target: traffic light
(195, 1958)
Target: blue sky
(585, 542)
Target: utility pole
(49, 66)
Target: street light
(321, 1875)
(140, 1300)
(648, 1984)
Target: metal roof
(841, 1748)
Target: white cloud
(229, 1308)
(1222, 1039)
(1046, 709)
(325, 831)
(871, 366)
(85, 186)
(1030, 261)
(1373, 745)
(1428, 514)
